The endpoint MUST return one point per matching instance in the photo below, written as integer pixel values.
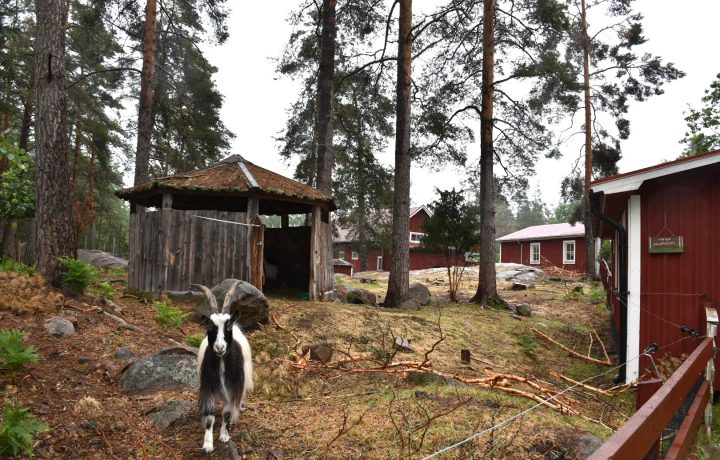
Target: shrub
(78, 277)
(18, 429)
(106, 291)
(13, 352)
(9, 265)
(169, 317)
(194, 340)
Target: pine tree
(703, 133)
(54, 232)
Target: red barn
(663, 222)
(560, 245)
(345, 247)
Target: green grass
(597, 293)
(194, 340)
(708, 447)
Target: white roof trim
(248, 175)
(427, 211)
(633, 182)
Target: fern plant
(9, 265)
(78, 277)
(169, 317)
(194, 340)
(18, 430)
(13, 352)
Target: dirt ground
(333, 411)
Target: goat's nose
(220, 349)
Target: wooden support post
(711, 317)
(164, 242)
(257, 241)
(253, 210)
(284, 221)
(315, 243)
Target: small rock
(362, 296)
(330, 296)
(578, 288)
(410, 304)
(170, 412)
(585, 445)
(419, 292)
(321, 351)
(83, 360)
(419, 394)
(518, 287)
(402, 344)
(524, 309)
(59, 327)
(124, 353)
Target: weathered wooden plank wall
(171, 249)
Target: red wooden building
(663, 222)
(345, 248)
(560, 245)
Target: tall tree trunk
(54, 230)
(89, 204)
(399, 280)
(587, 218)
(27, 113)
(487, 286)
(323, 129)
(145, 119)
(326, 72)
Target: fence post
(711, 316)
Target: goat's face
(220, 331)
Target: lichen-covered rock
(169, 369)
(524, 309)
(249, 300)
(419, 292)
(170, 412)
(362, 296)
(59, 327)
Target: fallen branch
(122, 323)
(602, 345)
(571, 351)
(84, 310)
(580, 384)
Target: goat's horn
(230, 297)
(211, 298)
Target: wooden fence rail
(641, 433)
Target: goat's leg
(224, 434)
(207, 412)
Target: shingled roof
(232, 177)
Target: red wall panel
(551, 253)
(674, 287)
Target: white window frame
(379, 263)
(341, 255)
(419, 237)
(532, 253)
(355, 255)
(566, 260)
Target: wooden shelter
(203, 226)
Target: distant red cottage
(663, 222)
(345, 248)
(560, 245)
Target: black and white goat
(225, 370)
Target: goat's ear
(205, 321)
(234, 316)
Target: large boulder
(169, 369)
(101, 259)
(419, 292)
(362, 296)
(249, 300)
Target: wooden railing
(640, 436)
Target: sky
(257, 99)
